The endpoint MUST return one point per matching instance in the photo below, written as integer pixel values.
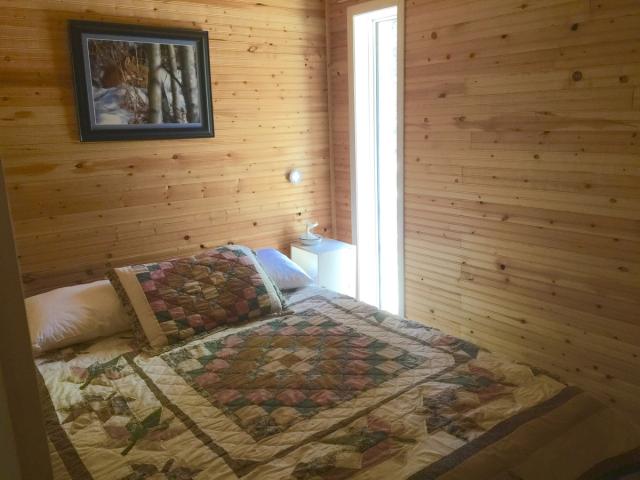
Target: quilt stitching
(193, 295)
(273, 376)
(283, 383)
(461, 349)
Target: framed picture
(136, 82)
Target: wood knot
(576, 76)
(434, 35)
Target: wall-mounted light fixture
(294, 176)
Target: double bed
(330, 389)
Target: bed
(331, 389)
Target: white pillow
(70, 315)
(284, 273)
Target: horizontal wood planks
(80, 208)
(522, 179)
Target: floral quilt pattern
(334, 390)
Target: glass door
(376, 178)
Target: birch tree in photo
(189, 83)
(173, 71)
(154, 82)
(167, 112)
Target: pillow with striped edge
(172, 301)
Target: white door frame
(351, 12)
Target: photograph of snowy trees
(141, 84)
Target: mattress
(337, 389)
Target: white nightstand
(331, 264)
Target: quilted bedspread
(335, 390)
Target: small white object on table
(330, 263)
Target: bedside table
(331, 264)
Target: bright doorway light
(376, 172)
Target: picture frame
(136, 82)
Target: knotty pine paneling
(522, 183)
(80, 208)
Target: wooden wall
(522, 193)
(79, 208)
(522, 185)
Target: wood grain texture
(522, 179)
(80, 208)
(24, 453)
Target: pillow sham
(174, 300)
(285, 273)
(76, 314)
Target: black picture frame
(91, 121)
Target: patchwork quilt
(334, 390)
(175, 300)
